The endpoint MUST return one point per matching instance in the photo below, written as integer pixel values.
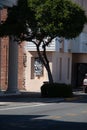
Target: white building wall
(62, 63)
(79, 44)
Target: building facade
(60, 60)
(68, 60)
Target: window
(38, 67)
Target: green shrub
(56, 90)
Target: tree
(40, 21)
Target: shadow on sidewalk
(78, 96)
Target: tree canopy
(59, 17)
(49, 17)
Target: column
(13, 67)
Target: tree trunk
(49, 73)
(44, 60)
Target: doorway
(81, 71)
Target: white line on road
(11, 108)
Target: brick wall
(4, 56)
(20, 67)
(4, 62)
(3, 15)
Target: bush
(56, 90)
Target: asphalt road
(43, 114)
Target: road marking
(3, 103)
(54, 117)
(48, 117)
(11, 108)
(71, 114)
(84, 111)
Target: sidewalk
(27, 97)
(77, 95)
(23, 94)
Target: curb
(73, 98)
(8, 95)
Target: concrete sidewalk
(27, 97)
(32, 97)
(23, 94)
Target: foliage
(56, 90)
(40, 21)
(15, 23)
(59, 17)
(52, 17)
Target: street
(43, 114)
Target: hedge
(56, 90)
